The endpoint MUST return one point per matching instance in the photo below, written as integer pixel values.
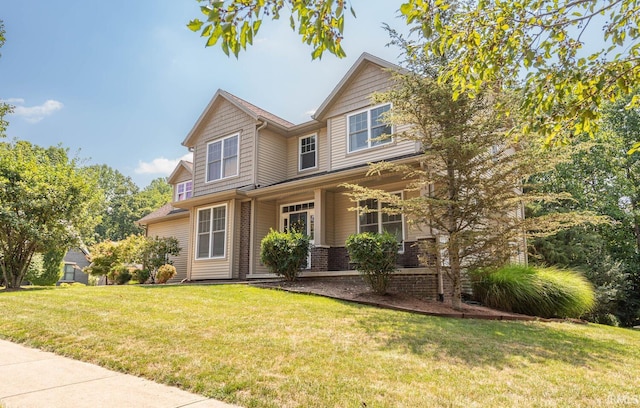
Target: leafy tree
(543, 41)
(5, 108)
(153, 196)
(118, 211)
(235, 23)
(45, 204)
(156, 251)
(471, 170)
(602, 178)
(491, 42)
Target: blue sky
(122, 82)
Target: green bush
(141, 275)
(284, 253)
(46, 269)
(120, 275)
(165, 272)
(544, 292)
(374, 256)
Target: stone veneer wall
(339, 258)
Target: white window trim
(369, 146)
(404, 238)
(221, 140)
(311, 212)
(226, 230)
(185, 189)
(300, 169)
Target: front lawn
(265, 348)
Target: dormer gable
(367, 65)
(254, 112)
(182, 172)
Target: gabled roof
(248, 108)
(183, 164)
(162, 212)
(353, 71)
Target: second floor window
(365, 127)
(222, 158)
(184, 190)
(308, 149)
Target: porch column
(319, 197)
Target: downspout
(255, 151)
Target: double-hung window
(212, 231)
(69, 272)
(366, 127)
(222, 158)
(184, 190)
(308, 152)
(376, 221)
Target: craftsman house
(253, 171)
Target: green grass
(266, 348)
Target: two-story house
(253, 171)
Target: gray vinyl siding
(272, 156)
(178, 228)
(224, 120)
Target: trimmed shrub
(119, 275)
(165, 272)
(374, 256)
(544, 292)
(285, 253)
(141, 275)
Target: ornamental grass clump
(544, 292)
(285, 253)
(374, 256)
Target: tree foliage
(5, 108)
(602, 178)
(49, 270)
(235, 23)
(541, 43)
(123, 203)
(45, 204)
(537, 46)
(469, 174)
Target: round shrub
(141, 275)
(165, 272)
(374, 256)
(285, 253)
(544, 292)
(120, 275)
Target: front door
(299, 217)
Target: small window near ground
(69, 272)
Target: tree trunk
(455, 272)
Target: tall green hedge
(285, 253)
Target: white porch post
(319, 197)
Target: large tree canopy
(45, 204)
(4, 107)
(541, 43)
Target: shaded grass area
(264, 348)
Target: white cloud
(161, 165)
(36, 113)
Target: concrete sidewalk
(34, 378)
